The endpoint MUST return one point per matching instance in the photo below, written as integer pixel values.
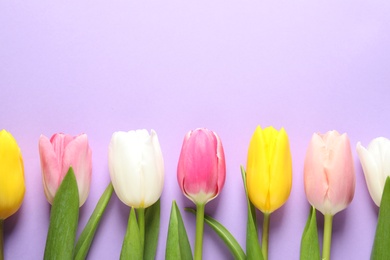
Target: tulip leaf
(152, 227)
(64, 217)
(131, 247)
(310, 249)
(253, 250)
(224, 234)
(178, 247)
(381, 249)
(85, 240)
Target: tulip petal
(379, 148)
(315, 179)
(125, 167)
(371, 173)
(221, 164)
(258, 179)
(50, 165)
(152, 170)
(340, 173)
(181, 167)
(78, 155)
(280, 171)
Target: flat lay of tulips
(136, 168)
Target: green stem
(1, 239)
(327, 237)
(199, 230)
(265, 235)
(141, 225)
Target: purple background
(99, 67)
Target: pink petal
(78, 155)
(51, 169)
(315, 180)
(341, 174)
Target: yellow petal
(258, 171)
(12, 186)
(280, 171)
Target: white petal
(371, 173)
(152, 175)
(125, 167)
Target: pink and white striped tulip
(60, 153)
(201, 169)
(375, 162)
(136, 167)
(329, 175)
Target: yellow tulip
(11, 175)
(269, 169)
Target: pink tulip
(328, 173)
(60, 153)
(201, 170)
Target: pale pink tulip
(329, 174)
(201, 170)
(60, 153)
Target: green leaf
(381, 248)
(152, 227)
(253, 250)
(178, 247)
(85, 240)
(224, 234)
(64, 217)
(310, 249)
(131, 247)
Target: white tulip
(136, 167)
(375, 162)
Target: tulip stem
(199, 230)
(1, 239)
(327, 237)
(265, 235)
(141, 225)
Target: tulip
(268, 174)
(328, 172)
(269, 169)
(60, 153)
(201, 170)
(329, 178)
(201, 174)
(11, 175)
(136, 167)
(375, 162)
(137, 172)
(11, 179)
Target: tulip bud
(12, 186)
(328, 172)
(201, 169)
(60, 153)
(136, 167)
(269, 169)
(375, 162)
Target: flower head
(60, 153)
(201, 169)
(329, 176)
(136, 167)
(375, 161)
(12, 186)
(269, 169)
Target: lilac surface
(172, 66)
